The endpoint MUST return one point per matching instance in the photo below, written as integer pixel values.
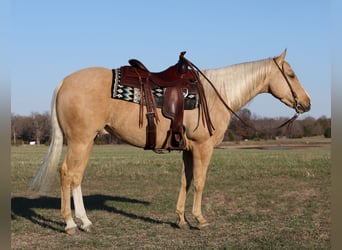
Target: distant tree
(41, 125)
(266, 128)
(242, 130)
(21, 128)
(13, 129)
(35, 127)
(325, 124)
(327, 132)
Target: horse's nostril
(303, 107)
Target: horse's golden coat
(82, 107)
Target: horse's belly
(124, 124)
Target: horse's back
(88, 77)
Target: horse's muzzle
(301, 108)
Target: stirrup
(176, 140)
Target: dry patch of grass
(253, 199)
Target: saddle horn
(182, 63)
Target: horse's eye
(291, 75)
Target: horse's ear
(280, 59)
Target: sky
(52, 39)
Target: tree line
(267, 128)
(36, 128)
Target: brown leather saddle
(177, 80)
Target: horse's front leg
(201, 155)
(187, 175)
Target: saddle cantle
(177, 80)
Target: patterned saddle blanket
(129, 94)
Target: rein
(288, 122)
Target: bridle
(297, 105)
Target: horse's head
(284, 85)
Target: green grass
(253, 199)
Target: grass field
(253, 199)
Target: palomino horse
(82, 107)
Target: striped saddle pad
(129, 94)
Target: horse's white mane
(238, 83)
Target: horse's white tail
(48, 170)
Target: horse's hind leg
(71, 173)
(80, 212)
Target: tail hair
(48, 171)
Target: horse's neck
(240, 83)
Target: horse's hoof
(203, 225)
(182, 224)
(71, 231)
(89, 228)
